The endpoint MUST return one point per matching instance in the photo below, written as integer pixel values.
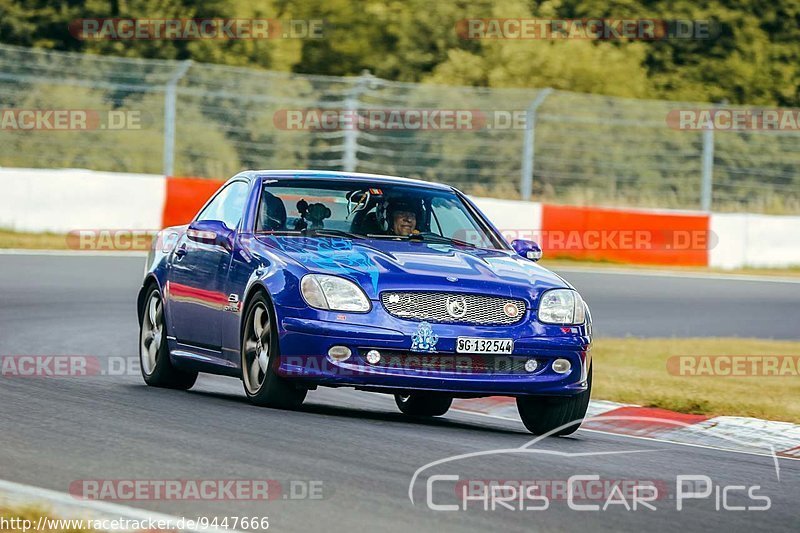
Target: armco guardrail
(69, 200)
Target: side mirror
(213, 232)
(527, 249)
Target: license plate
(478, 345)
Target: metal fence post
(706, 189)
(526, 178)
(169, 116)
(350, 148)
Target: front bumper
(306, 335)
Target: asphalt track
(54, 431)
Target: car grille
(439, 307)
(455, 363)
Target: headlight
(562, 306)
(333, 293)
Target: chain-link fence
(191, 119)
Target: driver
(402, 218)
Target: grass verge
(635, 371)
(32, 241)
(14, 519)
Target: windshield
(367, 210)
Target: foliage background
(590, 149)
(754, 58)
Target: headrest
(273, 213)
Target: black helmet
(412, 205)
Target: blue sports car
(291, 280)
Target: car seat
(366, 223)
(273, 212)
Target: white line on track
(674, 274)
(651, 439)
(577, 270)
(67, 504)
(71, 253)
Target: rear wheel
(260, 357)
(542, 414)
(157, 369)
(423, 403)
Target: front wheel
(157, 369)
(423, 404)
(542, 414)
(262, 384)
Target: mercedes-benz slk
(290, 280)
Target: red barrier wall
(625, 236)
(584, 233)
(185, 197)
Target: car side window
(227, 205)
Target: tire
(423, 403)
(261, 357)
(157, 369)
(542, 414)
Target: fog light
(373, 357)
(561, 366)
(531, 365)
(339, 353)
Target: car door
(198, 271)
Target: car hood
(380, 265)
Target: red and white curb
(732, 433)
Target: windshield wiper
(277, 232)
(422, 237)
(439, 238)
(322, 232)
